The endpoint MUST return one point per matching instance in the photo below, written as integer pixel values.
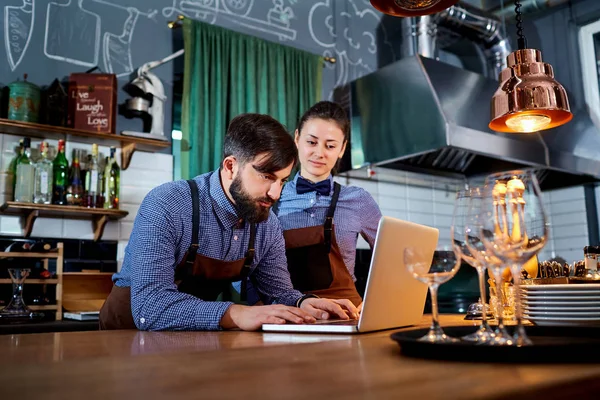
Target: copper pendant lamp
(411, 8)
(528, 99)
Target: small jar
(23, 101)
(591, 255)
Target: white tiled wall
(598, 202)
(145, 171)
(597, 207)
(568, 224)
(413, 197)
(430, 201)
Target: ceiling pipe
(482, 28)
(527, 7)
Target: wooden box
(93, 102)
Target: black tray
(550, 344)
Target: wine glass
(433, 272)
(458, 234)
(473, 229)
(515, 227)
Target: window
(589, 50)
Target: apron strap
(195, 211)
(193, 249)
(328, 227)
(248, 262)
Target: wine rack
(57, 254)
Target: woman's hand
(324, 308)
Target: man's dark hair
(249, 135)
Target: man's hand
(251, 318)
(323, 308)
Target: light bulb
(528, 122)
(515, 184)
(416, 4)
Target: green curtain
(226, 74)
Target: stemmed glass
(458, 233)
(433, 272)
(514, 227)
(473, 229)
(17, 307)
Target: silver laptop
(393, 298)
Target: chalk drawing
(347, 46)
(18, 26)
(276, 21)
(70, 27)
(116, 49)
(238, 7)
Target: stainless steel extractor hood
(424, 115)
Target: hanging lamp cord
(519, 18)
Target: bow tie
(304, 186)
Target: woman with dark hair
(322, 219)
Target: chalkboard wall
(50, 39)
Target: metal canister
(23, 101)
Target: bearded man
(192, 239)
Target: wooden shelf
(128, 144)
(30, 212)
(34, 281)
(29, 255)
(88, 273)
(42, 308)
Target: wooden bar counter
(255, 365)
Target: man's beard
(248, 207)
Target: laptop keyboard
(351, 322)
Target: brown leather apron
(315, 262)
(198, 275)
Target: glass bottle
(75, 188)
(18, 246)
(42, 193)
(12, 167)
(25, 175)
(112, 175)
(101, 183)
(60, 168)
(84, 160)
(92, 183)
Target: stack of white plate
(565, 305)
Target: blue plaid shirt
(161, 235)
(356, 213)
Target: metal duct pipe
(481, 28)
(496, 57)
(419, 36)
(527, 6)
